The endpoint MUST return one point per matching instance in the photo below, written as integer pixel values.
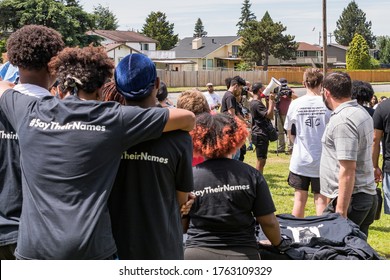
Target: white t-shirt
(212, 98)
(310, 117)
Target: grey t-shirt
(348, 136)
(70, 151)
(10, 183)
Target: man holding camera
(284, 95)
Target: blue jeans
(386, 192)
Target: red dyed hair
(218, 135)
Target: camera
(283, 90)
(244, 91)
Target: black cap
(256, 87)
(283, 81)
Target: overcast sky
(303, 18)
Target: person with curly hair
(70, 152)
(230, 195)
(34, 79)
(154, 178)
(194, 100)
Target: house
(118, 43)
(207, 53)
(339, 52)
(117, 51)
(306, 55)
(132, 39)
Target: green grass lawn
(276, 172)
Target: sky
(303, 18)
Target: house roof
(209, 45)
(110, 47)
(338, 46)
(122, 36)
(302, 46)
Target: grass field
(276, 172)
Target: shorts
(261, 144)
(301, 182)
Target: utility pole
(324, 31)
(330, 37)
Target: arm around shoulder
(180, 119)
(4, 85)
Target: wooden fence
(201, 78)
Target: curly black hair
(89, 65)
(32, 46)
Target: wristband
(284, 244)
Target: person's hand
(284, 244)
(4, 85)
(186, 207)
(377, 174)
(272, 96)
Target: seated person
(230, 195)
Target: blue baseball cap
(135, 76)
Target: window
(210, 64)
(300, 53)
(145, 47)
(235, 51)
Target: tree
(67, 17)
(352, 21)
(383, 44)
(246, 16)
(158, 28)
(265, 38)
(358, 56)
(199, 29)
(104, 19)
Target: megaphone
(274, 83)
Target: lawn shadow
(382, 229)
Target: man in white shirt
(212, 98)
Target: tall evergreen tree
(358, 56)
(352, 21)
(104, 19)
(158, 28)
(265, 38)
(383, 44)
(246, 16)
(199, 29)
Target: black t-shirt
(229, 101)
(259, 117)
(10, 183)
(230, 194)
(70, 151)
(144, 211)
(382, 122)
